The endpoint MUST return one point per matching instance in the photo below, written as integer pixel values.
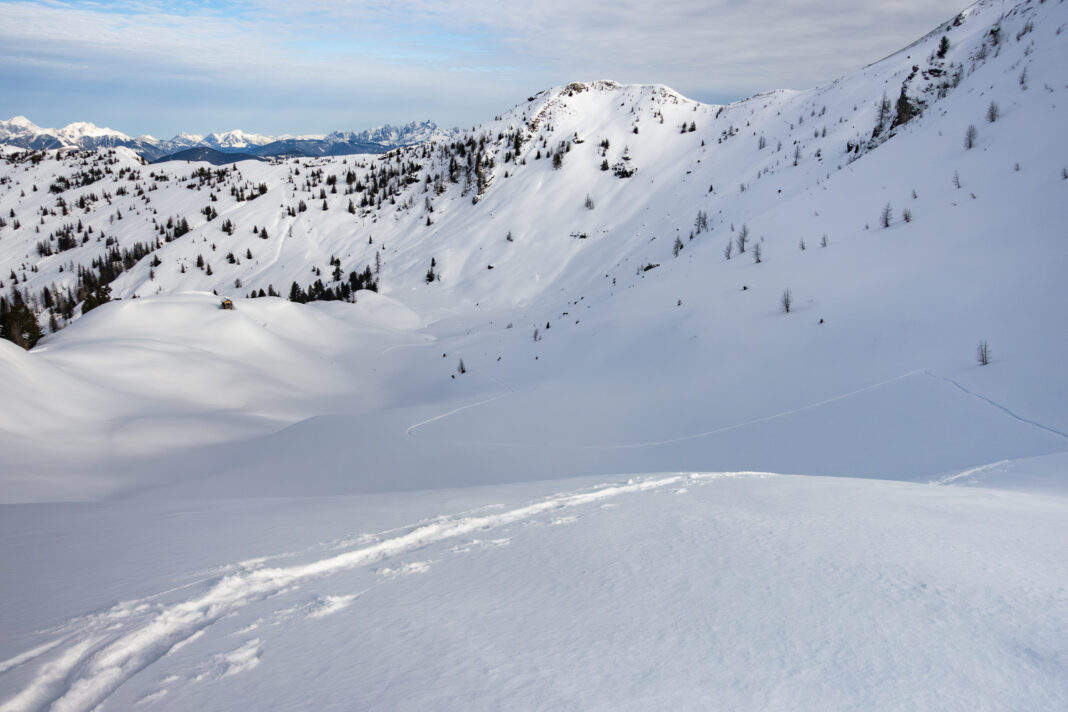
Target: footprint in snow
(234, 662)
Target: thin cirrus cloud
(160, 67)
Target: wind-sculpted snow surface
(96, 660)
(682, 591)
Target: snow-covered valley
(533, 468)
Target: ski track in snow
(411, 429)
(949, 479)
(507, 392)
(735, 426)
(102, 651)
(668, 441)
(755, 421)
(25, 657)
(997, 405)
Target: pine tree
(18, 323)
(101, 295)
(906, 109)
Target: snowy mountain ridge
(591, 196)
(21, 132)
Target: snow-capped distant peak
(18, 126)
(236, 139)
(80, 129)
(80, 133)
(300, 137)
(22, 132)
(389, 135)
(20, 122)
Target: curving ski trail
(507, 392)
(995, 404)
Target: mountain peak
(236, 138)
(79, 129)
(21, 122)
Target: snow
(81, 129)
(412, 133)
(309, 506)
(236, 139)
(19, 127)
(743, 591)
(88, 136)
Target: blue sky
(271, 66)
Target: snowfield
(657, 405)
(689, 591)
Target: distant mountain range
(23, 133)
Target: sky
(275, 66)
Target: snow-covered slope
(366, 496)
(556, 280)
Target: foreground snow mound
(687, 591)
